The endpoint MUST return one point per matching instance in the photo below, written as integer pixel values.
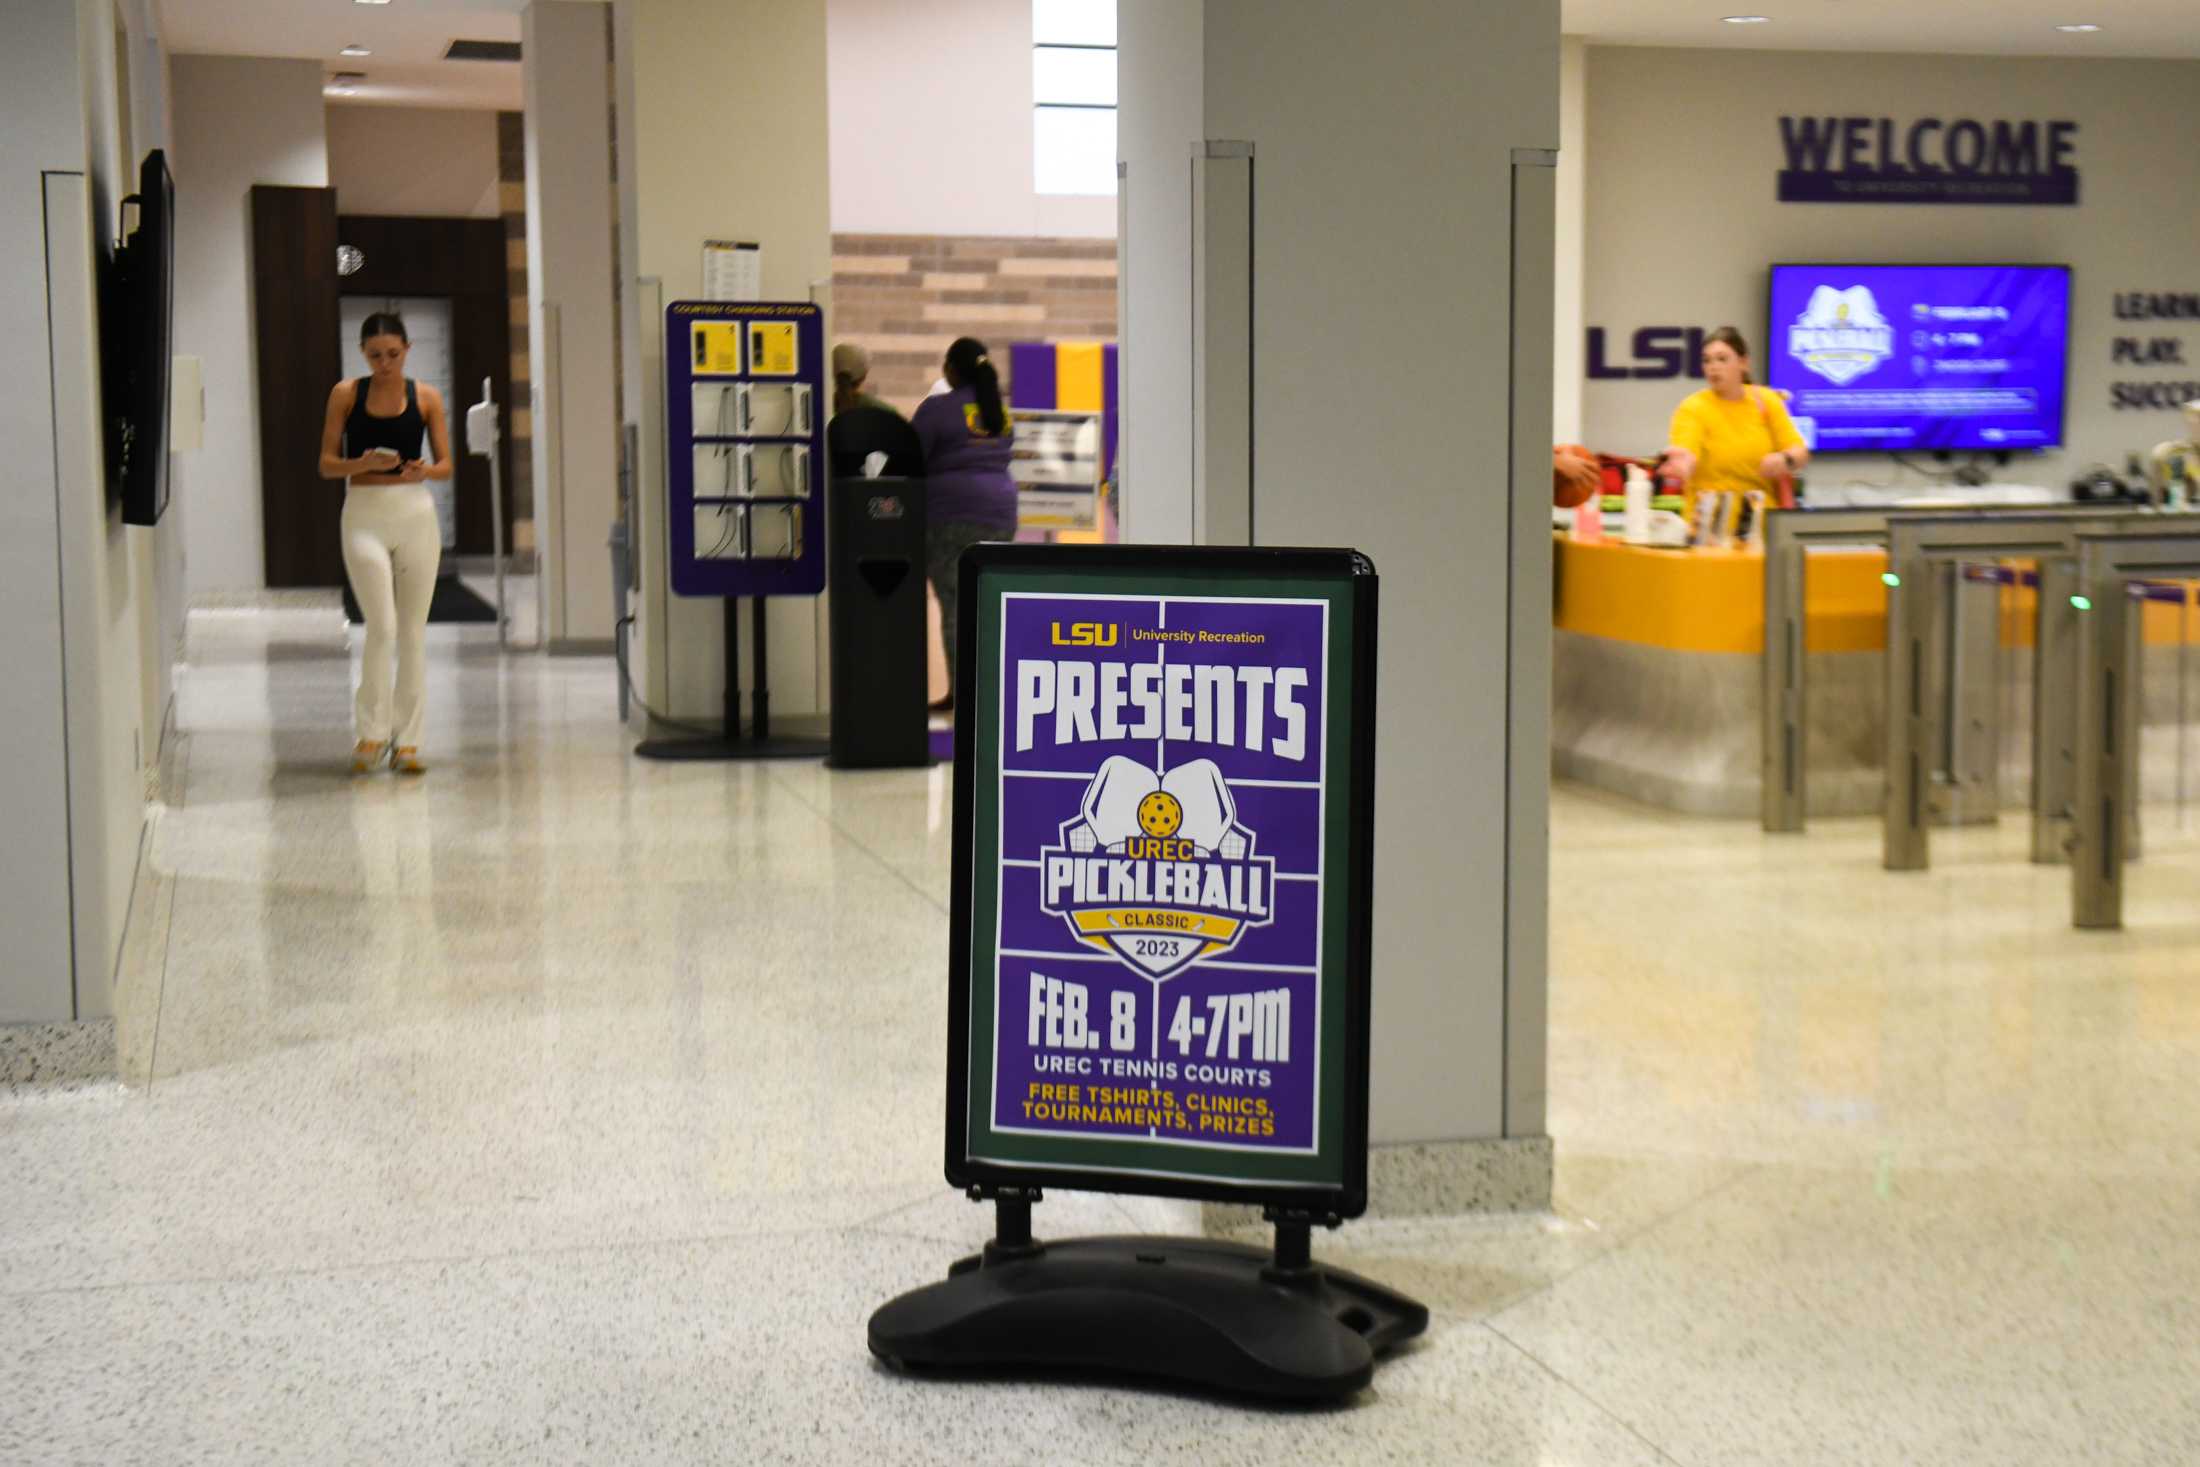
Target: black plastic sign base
(1190, 1311)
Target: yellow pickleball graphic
(1159, 814)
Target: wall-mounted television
(135, 349)
(1919, 358)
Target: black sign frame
(1211, 570)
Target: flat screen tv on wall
(135, 350)
(1920, 358)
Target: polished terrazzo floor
(562, 1108)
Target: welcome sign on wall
(1928, 160)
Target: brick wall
(905, 297)
(519, 425)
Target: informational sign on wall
(1056, 468)
(2165, 316)
(1162, 872)
(733, 270)
(745, 447)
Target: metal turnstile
(1942, 678)
(2111, 579)
(1790, 536)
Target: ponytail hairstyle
(1727, 336)
(974, 369)
(851, 367)
(383, 323)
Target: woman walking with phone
(372, 439)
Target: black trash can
(875, 551)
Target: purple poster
(1157, 942)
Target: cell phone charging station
(745, 410)
(1162, 920)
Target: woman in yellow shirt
(1732, 436)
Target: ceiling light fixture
(370, 2)
(1738, 19)
(355, 51)
(2081, 28)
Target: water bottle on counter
(1635, 521)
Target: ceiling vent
(482, 51)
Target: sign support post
(1160, 981)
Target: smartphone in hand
(384, 460)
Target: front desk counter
(1656, 672)
(1657, 677)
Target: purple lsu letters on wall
(1159, 950)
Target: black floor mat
(453, 602)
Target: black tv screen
(136, 346)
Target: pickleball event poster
(1158, 983)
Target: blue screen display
(1902, 358)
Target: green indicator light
(2083, 603)
(1890, 578)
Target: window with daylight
(1073, 96)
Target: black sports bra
(363, 430)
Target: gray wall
(1389, 385)
(79, 686)
(44, 131)
(1682, 221)
(238, 121)
(417, 162)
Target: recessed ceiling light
(1729, 19)
(2081, 29)
(370, 2)
(355, 51)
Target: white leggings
(392, 542)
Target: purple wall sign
(1929, 160)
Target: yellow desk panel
(1714, 600)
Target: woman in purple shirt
(969, 495)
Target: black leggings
(943, 546)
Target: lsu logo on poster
(1841, 334)
(1156, 867)
(1087, 634)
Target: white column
(1160, 69)
(1568, 320)
(572, 341)
(1402, 374)
(727, 141)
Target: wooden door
(293, 269)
